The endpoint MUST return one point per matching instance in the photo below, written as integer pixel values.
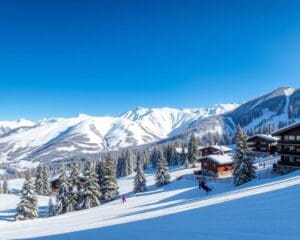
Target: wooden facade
(211, 167)
(262, 143)
(289, 146)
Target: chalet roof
(221, 159)
(287, 128)
(217, 147)
(266, 137)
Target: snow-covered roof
(266, 137)
(286, 128)
(218, 147)
(220, 159)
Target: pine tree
(28, 207)
(5, 186)
(139, 180)
(74, 193)
(91, 188)
(1, 190)
(192, 151)
(162, 174)
(46, 183)
(51, 208)
(154, 157)
(62, 194)
(109, 185)
(100, 172)
(39, 180)
(129, 163)
(243, 162)
(144, 160)
(183, 156)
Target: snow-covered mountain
(271, 111)
(87, 136)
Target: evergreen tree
(162, 174)
(154, 157)
(243, 162)
(100, 172)
(183, 156)
(129, 162)
(1, 190)
(46, 183)
(139, 180)
(192, 151)
(144, 160)
(5, 186)
(91, 188)
(39, 180)
(109, 185)
(62, 194)
(28, 207)
(74, 193)
(51, 208)
(187, 163)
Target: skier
(123, 197)
(202, 185)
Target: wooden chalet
(289, 146)
(217, 165)
(213, 149)
(263, 143)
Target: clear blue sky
(60, 58)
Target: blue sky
(60, 58)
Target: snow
(288, 127)
(261, 209)
(264, 136)
(92, 134)
(217, 147)
(221, 159)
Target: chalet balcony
(287, 142)
(289, 152)
(291, 164)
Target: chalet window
(297, 159)
(292, 138)
(298, 138)
(291, 159)
(286, 137)
(298, 149)
(292, 148)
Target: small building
(213, 149)
(289, 146)
(217, 165)
(262, 143)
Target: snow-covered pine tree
(162, 173)
(183, 155)
(91, 189)
(5, 186)
(62, 194)
(139, 180)
(109, 186)
(144, 160)
(46, 183)
(28, 207)
(192, 151)
(243, 162)
(154, 157)
(39, 180)
(51, 208)
(100, 172)
(1, 190)
(74, 193)
(129, 162)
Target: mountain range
(59, 139)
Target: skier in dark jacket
(202, 185)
